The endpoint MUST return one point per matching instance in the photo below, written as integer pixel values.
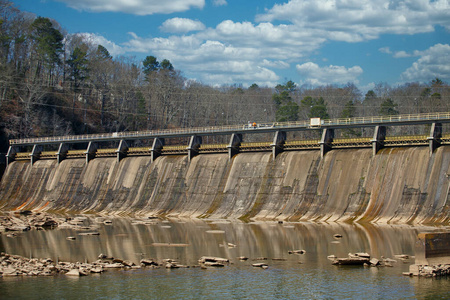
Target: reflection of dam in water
(188, 241)
(397, 185)
(289, 276)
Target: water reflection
(187, 241)
(289, 276)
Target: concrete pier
(433, 248)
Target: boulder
(374, 262)
(148, 262)
(213, 259)
(73, 272)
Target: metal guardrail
(247, 128)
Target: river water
(289, 276)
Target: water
(289, 276)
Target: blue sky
(312, 42)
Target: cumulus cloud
(96, 39)
(315, 75)
(358, 20)
(399, 54)
(136, 7)
(433, 62)
(234, 52)
(181, 25)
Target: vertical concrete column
(434, 139)
(235, 145)
(194, 146)
(11, 155)
(379, 136)
(35, 153)
(62, 152)
(278, 143)
(326, 141)
(122, 150)
(90, 151)
(158, 144)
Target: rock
(104, 256)
(10, 272)
(73, 272)
(171, 266)
(213, 259)
(360, 254)
(97, 270)
(148, 262)
(212, 264)
(351, 261)
(331, 257)
(259, 265)
(18, 228)
(374, 262)
(113, 265)
(128, 263)
(242, 258)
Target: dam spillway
(398, 185)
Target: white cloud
(385, 50)
(233, 52)
(358, 20)
(95, 39)
(434, 62)
(315, 75)
(220, 2)
(136, 7)
(181, 25)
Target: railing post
(326, 141)
(434, 139)
(158, 144)
(90, 151)
(235, 145)
(278, 143)
(379, 136)
(62, 152)
(35, 153)
(194, 146)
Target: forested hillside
(58, 83)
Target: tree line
(57, 83)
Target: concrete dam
(398, 185)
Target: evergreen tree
(388, 108)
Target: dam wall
(402, 185)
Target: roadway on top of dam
(313, 124)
